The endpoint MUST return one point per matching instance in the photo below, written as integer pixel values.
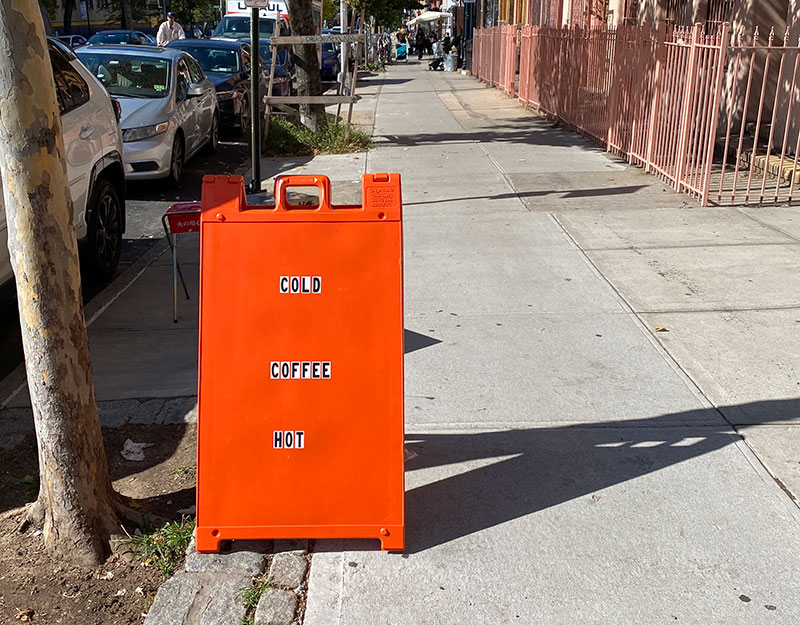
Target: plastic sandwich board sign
(300, 430)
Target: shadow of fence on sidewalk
(565, 194)
(533, 134)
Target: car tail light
(117, 108)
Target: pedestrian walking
(169, 30)
(421, 43)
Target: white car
(169, 106)
(93, 152)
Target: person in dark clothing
(446, 44)
(421, 43)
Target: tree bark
(76, 506)
(69, 5)
(126, 15)
(307, 74)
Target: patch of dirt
(117, 592)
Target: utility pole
(255, 121)
(345, 48)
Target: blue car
(330, 61)
(227, 64)
(284, 68)
(129, 37)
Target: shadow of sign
(413, 341)
(513, 473)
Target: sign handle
(282, 183)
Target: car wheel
(104, 238)
(244, 116)
(213, 141)
(176, 161)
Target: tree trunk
(307, 74)
(69, 5)
(77, 506)
(126, 15)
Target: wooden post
(355, 74)
(268, 108)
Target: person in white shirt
(169, 31)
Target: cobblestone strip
(284, 602)
(210, 589)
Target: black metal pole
(255, 121)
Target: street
(529, 353)
(146, 202)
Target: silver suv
(93, 152)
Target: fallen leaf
(108, 575)
(661, 330)
(25, 615)
(567, 279)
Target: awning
(430, 16)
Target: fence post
(686, 121)
(615, 87)
(511, 60)
(661, 42)
(722, 54)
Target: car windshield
(128, 75)
(238, 27)
(329, 48)
(109, 38)
(214, 59)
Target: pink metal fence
(495, 56)
(712, 114)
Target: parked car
(329, 68)
(169, 106)
(237, 26)
(72, 41)
(227, 64)
(284, 68)
(130, 37)
(93, 154)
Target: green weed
(30, 484)
(250, 597)
(372, 67)
(286, 138)
(183, 470)
(163, 548)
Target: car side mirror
(195, 90)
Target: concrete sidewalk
(600, 377)
(566, 467)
